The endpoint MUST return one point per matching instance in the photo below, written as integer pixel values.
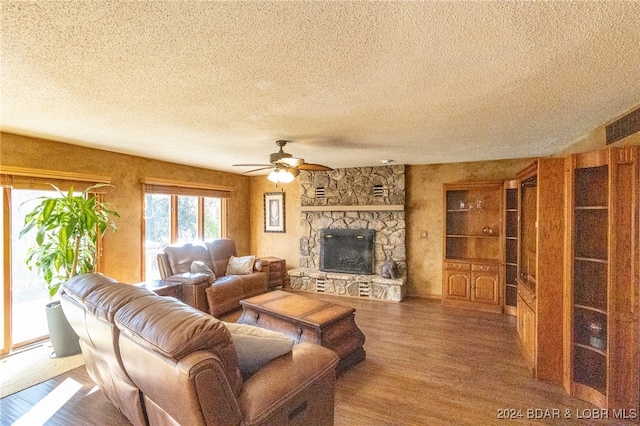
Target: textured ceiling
(350, 83)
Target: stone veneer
(350, 202)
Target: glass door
(24, 315)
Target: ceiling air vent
(320, 192)
(627, 125)
(378, 191)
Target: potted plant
(68, 227)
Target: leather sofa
(216, 294)
(163, 362)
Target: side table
(277, 271)
(163, 288)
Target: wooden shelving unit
(601, 282)
(473, 245)
(511, 218)
(540, 267)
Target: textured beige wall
(285, 245)
(122, 250)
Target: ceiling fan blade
(292, 161)
(314, 167)
(257, 170)
(252, 165)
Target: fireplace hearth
(349, 251)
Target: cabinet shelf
(591, 207)
(477, 260)
(592, 259)
(590, 308)
(590, 348)
(472, 236)
(471, 210)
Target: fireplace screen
(347, 250)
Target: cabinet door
(519, 320)
(528, 334)
(485, 287)
(458, 285)
(526, 331)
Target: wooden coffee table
(308, 320)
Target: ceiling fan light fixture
(283, 175)
(286, 176)
(274, 176)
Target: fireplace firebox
(349, 251)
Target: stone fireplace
(354, 199)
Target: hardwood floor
(425, 365)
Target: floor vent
(320, 286)
(320, 192)
(627, 125)
(378, 191)
(364, 290)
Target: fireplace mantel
(354, 208)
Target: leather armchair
(217, 295)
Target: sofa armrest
(163, 265)
(193, 288)
(261, 266)
(188, 278)
(296, 388)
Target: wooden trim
(53, 174)
(184, 184)
(529, 171)
(200, 218)
(591, 159)
(174, 218)
(473, 185)
(511, 184)
(224, 218)
(6, 271)
(382, 207)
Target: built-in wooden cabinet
(539, 261)
(473, 245)
(526, 325)
(601, 278)
(511, 217)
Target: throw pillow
(257, 346)
(242, 265)
(199, 267)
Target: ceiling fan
(285, 166)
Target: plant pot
(64, 340)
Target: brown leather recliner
(216, 296)
(89, 302)
(177, 365)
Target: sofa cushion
(175, 330)
(170, 327)
(182, 255)
(80, 286)
(257, 346)
(199, 267)
(242, 265)
(104, 302)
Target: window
(178, 213)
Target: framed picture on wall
(274, 212)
